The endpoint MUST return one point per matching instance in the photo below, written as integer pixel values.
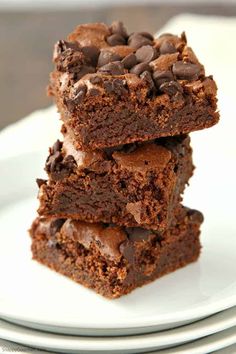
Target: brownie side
(137, 184)
(112, 93)
(113, 260)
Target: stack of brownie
(110, 214)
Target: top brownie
(114, 88)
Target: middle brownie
(131, 185)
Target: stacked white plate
(192, 310)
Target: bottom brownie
(114, 260)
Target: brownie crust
(113, 260)
(132, 185)
(111, 93)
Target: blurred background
(29, 29)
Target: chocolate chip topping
(146, 54)
(114, 68)
(160, 77)
(159, 63)
(146, 76)
(137, 40)
(129, 61)
(186, 71)
(91, 53)
(116, 39)
(117, 27)
(140, 68)
(167, 48)
(107, 57)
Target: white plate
(131, 344)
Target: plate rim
(145, 341)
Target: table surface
(27, 39)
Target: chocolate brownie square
(114, 88)
(131, 185)
(114, 260)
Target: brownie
(132, 185)
(114, 88)
(114, 260)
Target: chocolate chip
(40, 182)
(129, 61)
(116, 39)
(106, 57)
(185, 71)
(91, 53)
(146, 76)
(162, 76)
(146, 54)
(136, 41)
(171, 88)
(114, 68)
(95, 80)
(167, 48)
(84, 70)
(116, 86)
(80, 94)
(138, 233)
(118, 28)
(140, 68)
